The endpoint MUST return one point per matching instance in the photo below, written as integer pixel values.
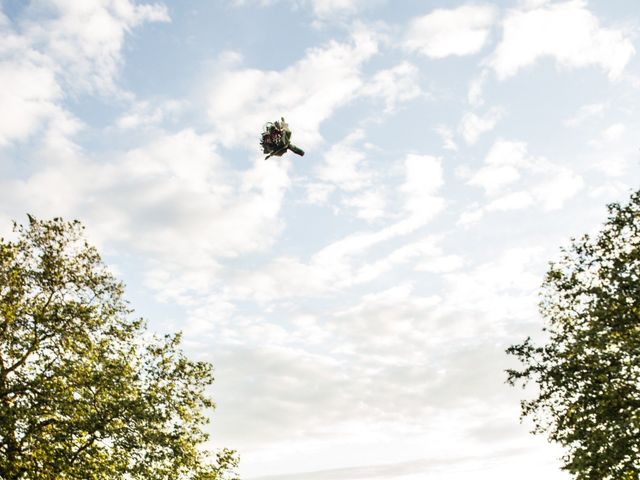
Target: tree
(588, 371)
(85, 392)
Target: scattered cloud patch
(146, 114)
(394, 86)
(322, 9)
(473, 125)
(514, 180)
(614, 150)
(511, 201)
(442, 33)
(328, 8)
(85, 38)
(614, 133)
(425, 254)
(585, 113)
(424, 177)
(318, 193)
(346, 172)
(567, 32)
(475, 94)
(359, 297)
(307, 93)
(441, 264)
(342, 165)
(369, 205)
(59, 48)
(29, 97)
(502, 289)
(502, 166)
(446, 135)
(173, 200)
(341, 264)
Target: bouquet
(276, 139)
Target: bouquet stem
(296, 150)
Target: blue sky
(357, 301)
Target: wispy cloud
(573, 37)
(307, 92)
(472, 125)
(460, 31)
(356, 302)
(395, 470)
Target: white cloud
(567, 32)
(395, 85)
(172, 199)
(318, 193)
(613, 133)
(364, 320)
(30, 92)
(352, 260)
(584, 113)
(387, 366)
(560, 185)
(339, 265)
(57, 48)
(502, 289)
(28, 96)
(532, 4)
(441, 264)
(476, 89)
(540, 182)
(460, 31)
(446, 134)
(145, 113)
(609, 192)
(473, 214)
(345, 170)
(614, 150)
(369, 205)
(424, 176)
(473, 126)
(85, 38)
(511, 201)
(502, 166)
(400, 364)
(425, 254)
(341, 165)
(325, 10)
(379, 318)
(306, 93)
(328, 8)
(338, 256)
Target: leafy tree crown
(85, 392)
(587, 373)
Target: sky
(355, 302)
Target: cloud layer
(356, 301)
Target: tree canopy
(85, 391)
(587, 372)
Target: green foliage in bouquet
(276, 139)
